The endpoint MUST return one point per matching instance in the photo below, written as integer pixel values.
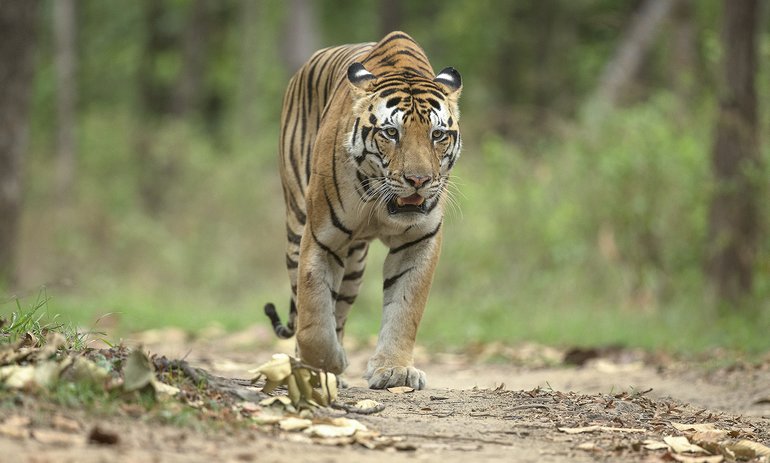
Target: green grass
(36, 321)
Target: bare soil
(495, 403)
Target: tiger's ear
(450, 80)
(360, 78)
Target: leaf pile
(34, 363)
(307, 387)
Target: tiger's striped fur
(368, 137)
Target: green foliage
(567, 231)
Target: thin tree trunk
(66, 96)
(301, 33)
(391, 17)
(155, 102)
(18, 27)
(194, 49)
(247, 103)
(734, 213)
(627, 60)
(684, 50)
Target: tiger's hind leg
(355, 263)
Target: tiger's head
(404, 137)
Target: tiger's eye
(437, 134)
(391, 132)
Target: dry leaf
(138, 372)
(276, 369)
(51, 437)
(681, 444)
(348, 422)
(281, 399)
(400, 389)
(366, 404)
(695, 427)
(164, 389)
(16, 426)
(328, 430)
(597, 428)
(267, 418)
(750, 449)
(588, 446)
(294, 424)
(650, 444)
(65, 424)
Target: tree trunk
(18, 26)
(628, 57)
(66, 96)
(391, 17)
(155, 102)
(683, 51)
(734, 213)
(189, 91)
(301, 33)
(247, 102)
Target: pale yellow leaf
(328, 386)
(328, 430)
(267, 418)
(16, 426)
(51, 437)
(588, 446)
(294, 424)
(695, 427)
(275, 370)
(348, 423)
(293, 389)
(366, 404)
(650, 444)
(681, 444)
(746, 447)
(281, 399)
(400, 389)
(164, 389)
(63, 423)
(302, 376)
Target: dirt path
(474, 410)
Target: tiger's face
(404, 138)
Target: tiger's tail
(283, 332)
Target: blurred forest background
(614, 173)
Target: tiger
(368, 137)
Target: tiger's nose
(417, 180)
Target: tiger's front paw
(391, 376)
(324, 353)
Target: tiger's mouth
(412, 203)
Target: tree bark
(301, 33)
(683, 50)
(189, 91)
(391, 17)
(18, 27)
(628, 57)
(734, 214)
(66, 96)
(247, 103)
